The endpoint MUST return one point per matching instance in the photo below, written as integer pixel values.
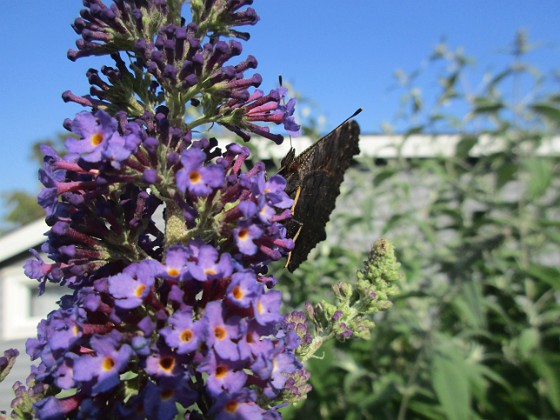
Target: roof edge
(22, 239)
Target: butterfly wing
(317, 173)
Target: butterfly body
(313, 180)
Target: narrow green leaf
(382, 176)
(547, 274)
(547, 110)
(483, 105)
(450, 383)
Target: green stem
(175, 228)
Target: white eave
(389, 146)
(22, 239)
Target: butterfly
(313, 182)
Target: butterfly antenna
(356, 112)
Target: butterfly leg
(294, 238)
(296, 198)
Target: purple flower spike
(184, 334)
(105, 365)
(275, 195)
(163, 364)
(288, 117)
(94, 130)
(175, 267)
(133, 285)
(266, 213)
(64, 328)
(243, 289)
(245, 235)
(282, 365)
(223, 375)
(252, 340)
(267, 307)
(240, 405)
(167, 315)
(195, 178)
(160, 401)
(118, 149)
(223, 334)
(211, 265)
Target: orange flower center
(237, 292)
(167, 363)
(231, 407)
(139, 290)
(108, 363)
(173, 272)
(243, 234)
(186, 335)
(195, 177)
(220, 333)
(209, 271)
(96, 139)
(221, 371)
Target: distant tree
(21, 206)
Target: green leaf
(528, 342)
(505, 173)
(547, 274)
(469, 306)
(414, 130)
(383, 175)
(484, 105)
(499, 77)
(450, 382)
(425, 411)
(395, 221)
(464, 146)
(547, 110)
(540, 173)
(547, 366)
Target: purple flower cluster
(163, 238)
(183, 65)
(178, 313)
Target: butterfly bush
(164, 239)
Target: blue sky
(340, 54)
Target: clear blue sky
(340, 54)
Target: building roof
(22, 239)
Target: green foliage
(20, 206)
(475, 333)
